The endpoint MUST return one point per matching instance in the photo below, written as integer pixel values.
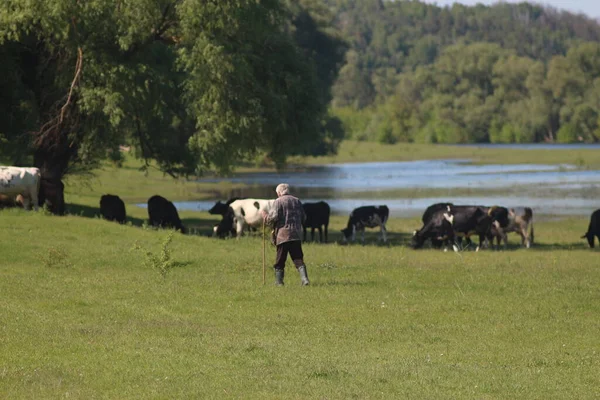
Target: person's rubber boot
(279, 277)
(303, 275)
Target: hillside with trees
(416, 72)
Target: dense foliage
(505, 73)
(191, 84)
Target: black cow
(428, 214)
(162, 213)
(366, 217)
(317, 216)
(593, 228)
(432, 209)
(226, 226)
(221, 208)
(437, 228)
(112, 208)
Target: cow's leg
(26, 201)
(525, 242)
(481, 241)
(353, 233)
(326, 233)
(312, 234)
(320, 234)
(383, 233)
(362, 235)
(34, 199)
(239, 228)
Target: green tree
(190, 84)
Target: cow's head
(347, 234)
(218, 209)
(417, 241)
(499, 215)
(590, 239)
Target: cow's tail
(529, 216)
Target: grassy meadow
(93, 309)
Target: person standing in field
(286, 218)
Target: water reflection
(565, 189)
(415, 174)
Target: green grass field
(85, 313)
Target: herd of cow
(444, 224)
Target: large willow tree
(191, 84)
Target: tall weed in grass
(161, 260)
(55, 257)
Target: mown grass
(377, 322)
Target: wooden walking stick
(264, 270)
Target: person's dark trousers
(294, 249)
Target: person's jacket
(286, 217)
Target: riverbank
(354, 151)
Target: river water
(549, 189)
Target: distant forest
(416, 72)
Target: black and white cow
(432, 209)
(467, 221)
(317, 216)
(593, 229)
(437, 228)
(241, 214)
(221, 208)
(366, 217)
(429, 213)
(21, 181)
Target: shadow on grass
(195, 226)
(345, 283)
(394, 239)
(181, 264)
(559, 246)
(534, 247)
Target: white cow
(242, 213)
(16, 181)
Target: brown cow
(519, 221)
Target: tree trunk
(53, 162)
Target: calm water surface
(344, 186)
(446, 174)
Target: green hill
(416, 72)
